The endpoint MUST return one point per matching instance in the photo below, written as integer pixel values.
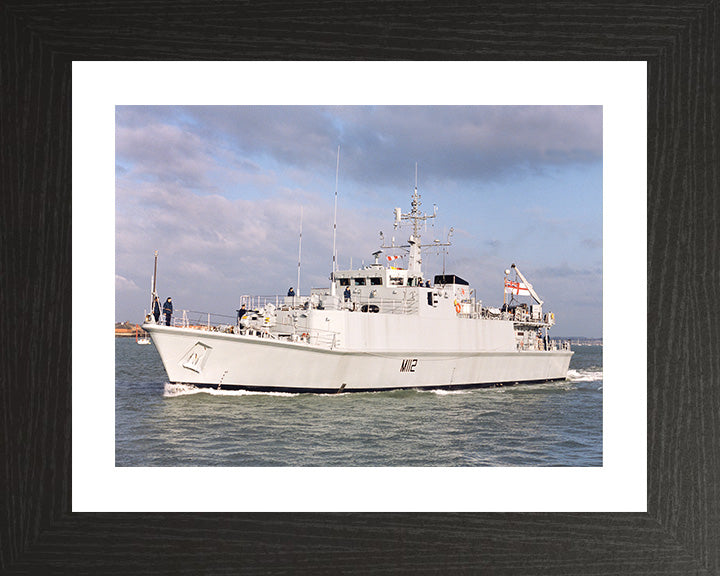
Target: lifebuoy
(458, 307)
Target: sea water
(162, 424)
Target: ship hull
(231, 362)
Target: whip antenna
(299, 251)
(334, 255)
(153, 290)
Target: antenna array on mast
(417, 218)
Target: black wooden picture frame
(680, 533)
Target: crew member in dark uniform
(347, 293)
(156, 309)
(291, 292)
(168, 310)
(241, 313)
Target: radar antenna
(416, 218)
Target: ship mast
(416, 217)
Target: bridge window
(344, 281)
(397, 281)
(359, 281)
(376, 281)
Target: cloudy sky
(218, 191)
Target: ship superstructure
(379, 327)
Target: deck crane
(528, 285)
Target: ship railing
(381, 305)
(497, 314)
(556, 344)
(203, 321)
(384, 305)
(208, 321)
(541, 345)
(315, 336)
(278, 301)
(323, 338)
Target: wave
(174, 390)
(441, 392)
(585, 375)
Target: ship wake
(585, 375)
(174, 390)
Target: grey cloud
(465, 142)
(213, 248)
(592, 243)
(379, 145)
(122, 284)
(165, 152)
(300, 135)
(566, 271)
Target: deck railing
(223, 323)
(380, 305)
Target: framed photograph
(59, 406)
(434, 313)
(533, 171)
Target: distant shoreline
(127, 329)
(579, 340)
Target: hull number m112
(408, 365)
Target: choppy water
(160, 424)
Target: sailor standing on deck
(291, 292)
(346, 294)
(241, 313)
(168, 310)
(156, 309)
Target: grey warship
(380, 327)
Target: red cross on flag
(517, 288)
